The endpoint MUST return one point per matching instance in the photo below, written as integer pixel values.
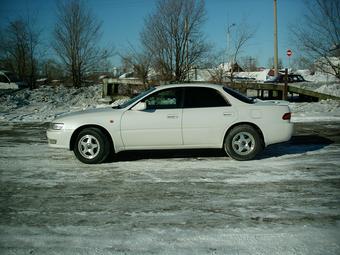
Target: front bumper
(59, 138)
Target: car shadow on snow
(297, 145)
(167, 154)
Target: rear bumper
(59, 138)
(280, 133)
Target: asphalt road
(184, 202)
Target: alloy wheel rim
(89, 146)
(243, 143)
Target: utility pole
(187, 47)
(276, 58)
(228, 44)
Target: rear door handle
(228, 114)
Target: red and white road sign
(289, 52)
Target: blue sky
(123, 20)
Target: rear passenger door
(206, 114)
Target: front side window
(135, 99)
(198, 97)
(165, 99)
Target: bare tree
(173, 37)
(217, 70)
(140, 63)
(300, 62)
(34, 40)
(319, 35)
(76, 35)
(126, 63)
(270, 63)
(249, 63)
(218, 75)
(239, 39)
(20, 49)
(51, 69)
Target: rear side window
(197, 97)
(238, 95)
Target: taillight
(287, 116)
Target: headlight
(56, 126)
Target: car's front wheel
(243, 143)
(91, 146)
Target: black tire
(91, 146)
(243, 143)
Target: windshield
(136, 98)
(238, 95)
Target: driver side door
(158, 126)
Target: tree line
(172, 43)
(74, 44)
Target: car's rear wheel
(91, 146)
(243, 143)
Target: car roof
(181, 85)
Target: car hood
(87, 115)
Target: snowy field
(187, 202)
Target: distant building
(231, 67)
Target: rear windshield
(238, 95)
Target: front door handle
(228, 114)
(172, 116)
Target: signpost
(285, 88)
(289, 54)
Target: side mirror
(141, 106)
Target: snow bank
(9, 85)
(317, 76)
(325, 110)
(329, 88)
(43, 104)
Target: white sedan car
(183, 116)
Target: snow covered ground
(197, 202)
(287, 202)
(317, 76)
